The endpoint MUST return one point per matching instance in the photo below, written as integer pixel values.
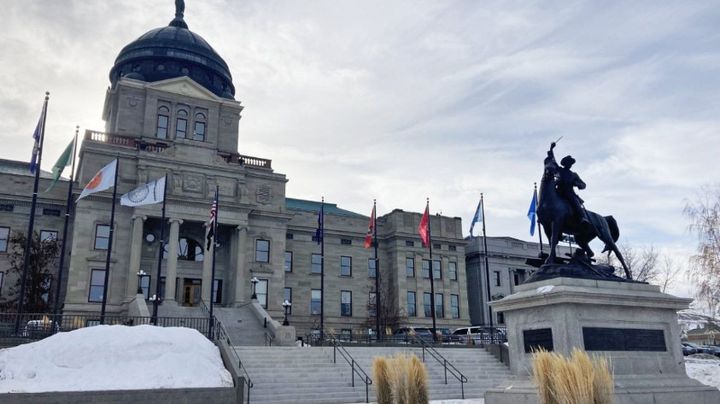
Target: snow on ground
(114, 357)
(706, 371)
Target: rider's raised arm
(550, 160)
(580, 184)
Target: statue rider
(565, 182)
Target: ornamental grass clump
(578, 379)
(401, 379)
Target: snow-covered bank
(114, 358)
(705, 371)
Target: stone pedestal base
(632, 324)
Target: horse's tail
(614, 232)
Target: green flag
(63, 161)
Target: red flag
(371, 228)
(424, 228)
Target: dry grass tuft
(381, 379)
(401, 379)
(418, 382)
(575, 380)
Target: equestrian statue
(560, 211)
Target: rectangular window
(5, 207)
(287, 295)
(345, 241)
(4, 236)
(437, 270)
(345, 266)
(162, 288)
(455, 306)
(162, 126)
(102, 236)
(439, 309)
(516, 278)
(371, 304)
(315, 264)
(199, 133)
(452, 247)
(411, 305)
(409, 243)
(315, 298)
(500, 318)
(97, 285)
(262, 250)
(145, 286)
(426, 269)
(51, 212)
(288, 261)
(261, 290)
(497, 278)
(181, 128)
(48, 235)
(346, 303)
(452, 270)
(410, 267)
(372, 268)
(437, 246)
(217, 291)
(427, 305)
(289, 236)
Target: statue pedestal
(633, 324)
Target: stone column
(207, 270)
(135, 255)
(171, 263)
(242, 281)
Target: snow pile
(706, 371)
(114, 357)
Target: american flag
(213, 219)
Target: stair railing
(268, 339)
(447, 366)
(356, 368)
(221, 333)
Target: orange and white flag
(104, 179)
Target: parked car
(477, 335)
(405, 334)
(445, 335)
(688, 349)
(40, 329)
(711, 349)
(698, 348)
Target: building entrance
(192, 291)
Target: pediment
(184, 86)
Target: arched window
(199, 129)
(181, 124)
(162, 122)
(188, 250)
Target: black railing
(355, 367)
(447, 366)
(222, 334)
(36, 326)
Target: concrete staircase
(307, 375)
(242, 325)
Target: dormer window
(162, 122)
(181, 124)
(199, 129)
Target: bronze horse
(556, 217)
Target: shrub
(401, 379)
(575, 380)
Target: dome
(174, 51)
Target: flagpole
(31, 224)
(156, 302)
(432, 274)
(212, 276)
(538, 220)
(487, 262)
(377, 274)
(322, 269)
(110, 244)
(68, 205)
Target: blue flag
(36, 145)
(477, 217)
(532, 213)
(320, 231)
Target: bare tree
(641, 261)
(704, 216)
(391, 315)
(38, 286)
(668, 272)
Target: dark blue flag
(320, 231)
(36, 145)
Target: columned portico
(241, 278)
(135, 255)
(172, 255)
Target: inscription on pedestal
(623, 339)
(535, 339)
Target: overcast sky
(403, 100)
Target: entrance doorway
(192, 292)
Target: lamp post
(254, 282)
(141, 274)
(286, 305)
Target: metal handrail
(356, 368)
(443, 361)
(223, 334)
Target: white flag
(104, 179)
(146, 194)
